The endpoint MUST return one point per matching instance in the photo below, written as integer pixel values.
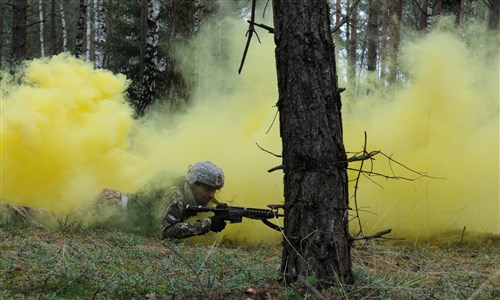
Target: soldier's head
(205, 179)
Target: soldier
(199, 187)
(142, 209)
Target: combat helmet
(207, 173)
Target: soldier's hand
(217, 224)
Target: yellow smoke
(67, 132)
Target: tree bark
(352, 44)
(373, 13)
(422, 24)
(41, 16)
(18, 43)
(493, 14)
(396, 31)
(80, 29)
(54, 47)
(316, 241)
(148, 84)
(63, 26)
(100, 34)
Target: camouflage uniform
(172, 223)
(156, 204)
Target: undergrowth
(105, 263)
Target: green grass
(104, 263)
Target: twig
(373, 236)
(277, 155)
(280, 167)
(268, 28)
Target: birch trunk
(63, 26)
(41, 32)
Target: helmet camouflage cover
(207, 173)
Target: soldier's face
(203, 193)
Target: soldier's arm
(173, 225)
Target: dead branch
(277, 155)
(250, 32)
(280, 167)
(347, 17)
(268, 28)
(373, 236)
(363, 156)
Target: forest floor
(100, 263)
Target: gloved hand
(217, 224)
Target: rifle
(235, 214)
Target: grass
(104, 263)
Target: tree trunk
(100, 34)
(422, 24)
(41, 16)
(493, 14)
(2, 33)
(352, 44)
(396, 30)
(317, 243)
(88, 32)
(18, 44)
(373, 35)
(54, 48)
(80, 29)
(148, 84)
(63, 26)
(383, 39)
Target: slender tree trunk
(373, 13)
(338, 16)
(352, 57)
(430, 13)
(383, 39)
(2, 32)
(42, 21)
(493, 14)
(100, 34)
(63, 26)
(54, 49)
(316, 243)
(18, 43)
(80, 29)
(422, 24)
(88, 32)
(148, 84)
(396, 29)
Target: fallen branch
(373, 236)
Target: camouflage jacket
(173, 222)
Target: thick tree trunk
(316, 243)
(18, 43)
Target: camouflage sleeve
(172, 223)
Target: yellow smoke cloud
(67, 133)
